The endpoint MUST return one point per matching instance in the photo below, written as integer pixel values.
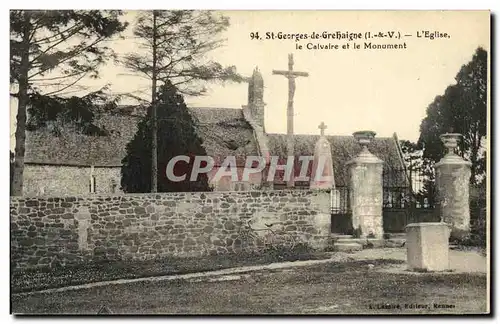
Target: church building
(77, 164)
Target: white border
(191, 4)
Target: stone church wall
(52, 180)
(47, 231)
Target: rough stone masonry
(46, 230)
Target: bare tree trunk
(22, 98)
(154, 124)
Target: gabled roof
(344, 148)
(223, 131)
(73, 148)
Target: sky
(386, 91)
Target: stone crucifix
(322, 128)
(290, 74)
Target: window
(92, 184)
(113, 186)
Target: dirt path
(471, 261)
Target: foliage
(420, 170)
(51, 51)
(173, 45)
(54, 112)
(68, 44)
(176, 136)
(300, 251)
(478, 221)
(461, 109)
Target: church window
(92, 184)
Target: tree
(11, 170)
(461, 109)
(51, 51)
(174, 45)
(420, 171)
(177, 137)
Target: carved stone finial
(365, 138)
(450, 141)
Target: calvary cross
(290, 74)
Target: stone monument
(452, 182)
(365, 172)
(427, 246)
(322, 167)
(290, 74)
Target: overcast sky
(385, 91)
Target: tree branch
(66, 87)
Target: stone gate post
(452, 181)
(366, 195)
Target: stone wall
(50, 180)
(68, 230)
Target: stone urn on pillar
(452, 183)
(365, 182)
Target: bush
(283, 253)
(478, 228)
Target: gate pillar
(452, 181)
(366, 194)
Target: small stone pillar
(427, 246)
(365, 172)
(452, 182)
(320, 202)
(322, 168)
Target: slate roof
(72, 148)
(344, 148)
(224, 132)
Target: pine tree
(176, 136)
(51, 51)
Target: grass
(39, 279)
(338, 288)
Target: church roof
(76, 149)
(224, 132)
(344, 148)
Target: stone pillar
(366, 194)
(427, 246)
(320, 201)
(452, 183)
(322, 168)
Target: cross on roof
(322, 127)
